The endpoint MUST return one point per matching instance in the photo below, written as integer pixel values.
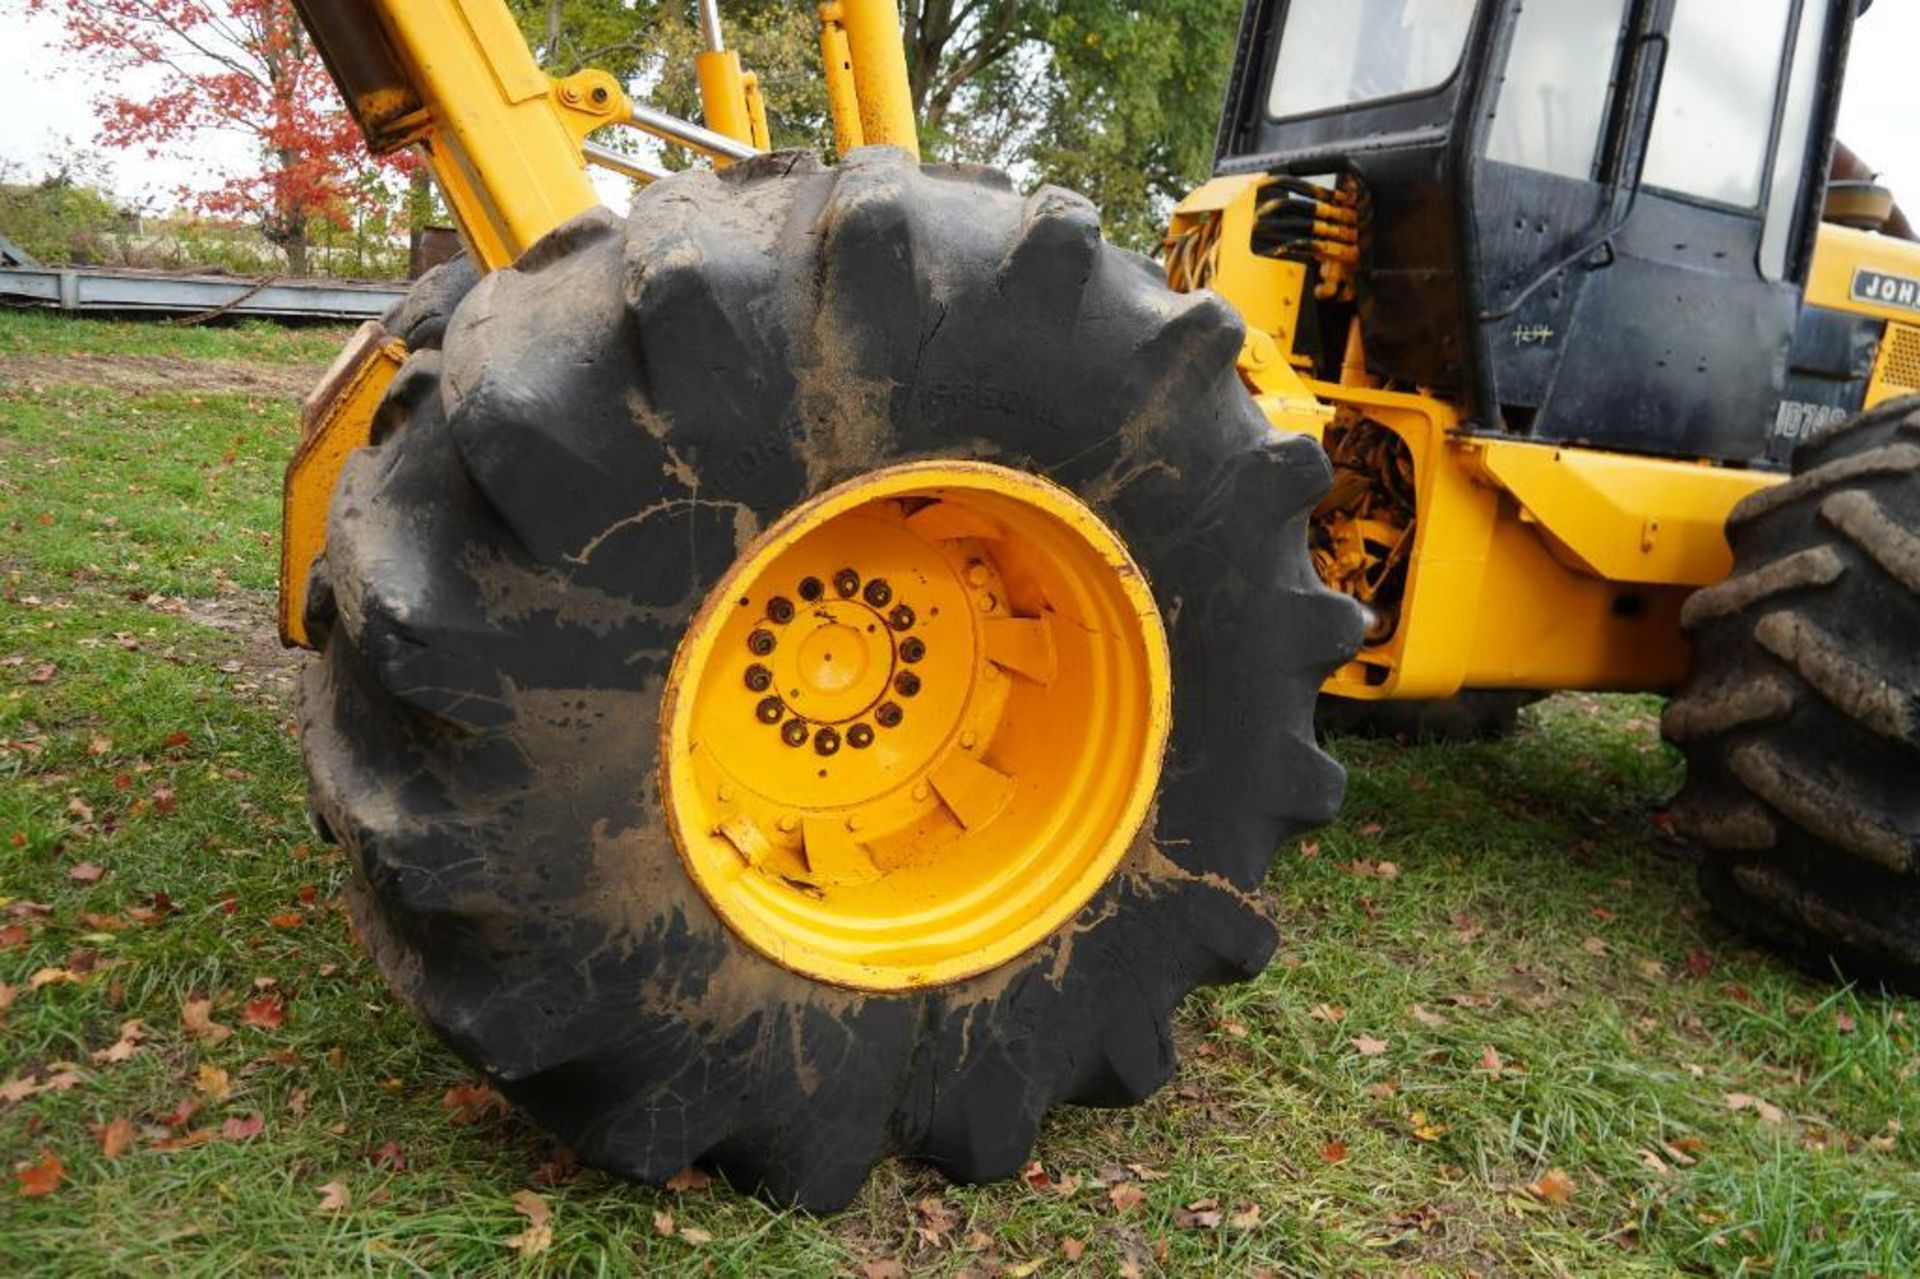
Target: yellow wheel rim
(917, 726)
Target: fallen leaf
(239, 1129)
(334, 1197)
(1490, 1061)
(80, 808)
(1844, 1023)
(688, 1179)
(663, 1224)
(188, 1140)
(933, 1218)
(267, 1012)
(116, 1137)
(1431, 1020)
(470, 1103)
(197, 1016)
(1125, 1196)
(1023, 1269)
(43, 674)
(1333, 1014)
(1554, 1186)
(15, 1090)
(1368, 1046)
(695, 1235)
(85, 873)
(1655, 1163)
(53, 977)
(1244, 1218)
(174, 741)
(62, 1080)
(1594, 946)
(1768, 1113)
(290, 919)
(1334, 1152)
(1073, 1249)
(99, 745)
(1201, 1214)
(1387, 870)
(884, 1268)
(12, 935)
(1423, 1128)
(213, 1081)
(1699, 963)
(538, 1236)
(42, 1178)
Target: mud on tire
(1801, 722)
(550, 498)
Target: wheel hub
(917, 726)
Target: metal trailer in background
(128, 292)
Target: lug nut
(902, 618)
(770, 710)
(759, 678)
(889, 715)
(912, 650)
(794, 732)
(907, 684)
(860, 736)
(811, 589)
(878, 593)
(760, 643)
(826, 742)
(847, 582)
(780, 610)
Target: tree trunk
(295, 247)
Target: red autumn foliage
(227, 66)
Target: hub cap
(917, 726)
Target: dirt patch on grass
(263, 666)
(145, 374)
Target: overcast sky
(39, 119)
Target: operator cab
(1591, 220)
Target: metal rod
(710, 26)
(674, 129)
(625, 165)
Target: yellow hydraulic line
(843, 97)
(723, 90)
(880, 73)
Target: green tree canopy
(1117, 100)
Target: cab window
(1340, 53)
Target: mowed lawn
(1501, 1035)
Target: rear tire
(1801, 722)
(550, 500)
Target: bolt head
(907, 684)
(878, 593)
(794, 732)
(827, 742)
(760, 643)
(847, 582)
(811, 589)
(771, 710)
(759, 678)
(913, 650)
(860, 736)
(889, 715)
(902, 618)
(780, 610)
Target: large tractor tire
(817, 671)
(1801, 722)
(1478, 715)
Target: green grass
(1531, 904)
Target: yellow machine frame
(1532, 566)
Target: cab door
(1639, 210)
